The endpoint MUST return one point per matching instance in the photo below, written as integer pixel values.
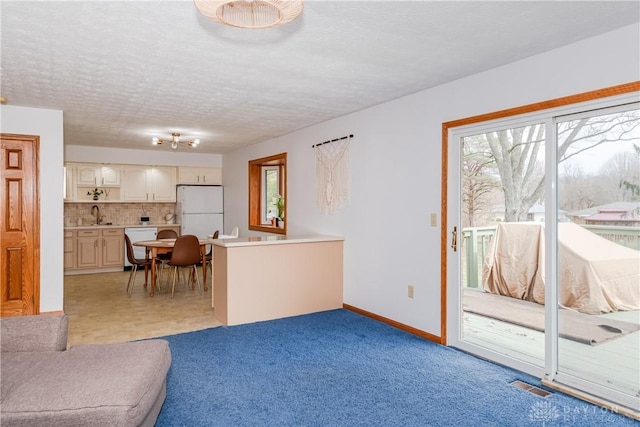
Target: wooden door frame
(530, 108)
(34, 140)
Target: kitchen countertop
(101, 226)
(275, 240)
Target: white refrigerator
(199, 209)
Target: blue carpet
(338, 368)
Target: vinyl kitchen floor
(100, 311)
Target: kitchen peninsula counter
(276, 240)
(271, 277)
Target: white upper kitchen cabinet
(148, 184)
(202, 176)
(134, 184)
(69, 190)
(97, 175)
(163, 184)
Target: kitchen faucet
(97, 210)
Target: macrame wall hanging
(332, 173)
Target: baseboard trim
(52, 313)
(75, 272)
(390, 322)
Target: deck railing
(475, 243)
(625, 236)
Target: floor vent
(531, 389)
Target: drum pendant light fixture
(250, 13)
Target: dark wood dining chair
(186, 253)
(164, 259)
(209, 256)
(135, 263)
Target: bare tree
(577, 136)
(577, 190)
(517, 153)
(624, 168)
(477, 186)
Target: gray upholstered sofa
(44, 384)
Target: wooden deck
(614, 363)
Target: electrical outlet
(434, 219)
(410, 291)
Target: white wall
(161, 157)
(396, 170)
(48, 125)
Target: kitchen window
(267, 183)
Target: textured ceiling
(123, 72)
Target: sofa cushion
(102, 384)
(14, 366)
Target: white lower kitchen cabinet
(94, 250)
(69, 249)
(88, 249)
(112, 244)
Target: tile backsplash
(117, 213)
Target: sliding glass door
(543, 266)
(501, 182)
(598, 257)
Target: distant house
(534, 214)
(617, 213)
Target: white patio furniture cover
(596, 275)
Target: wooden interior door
(20, 229)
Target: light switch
(434, 219)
